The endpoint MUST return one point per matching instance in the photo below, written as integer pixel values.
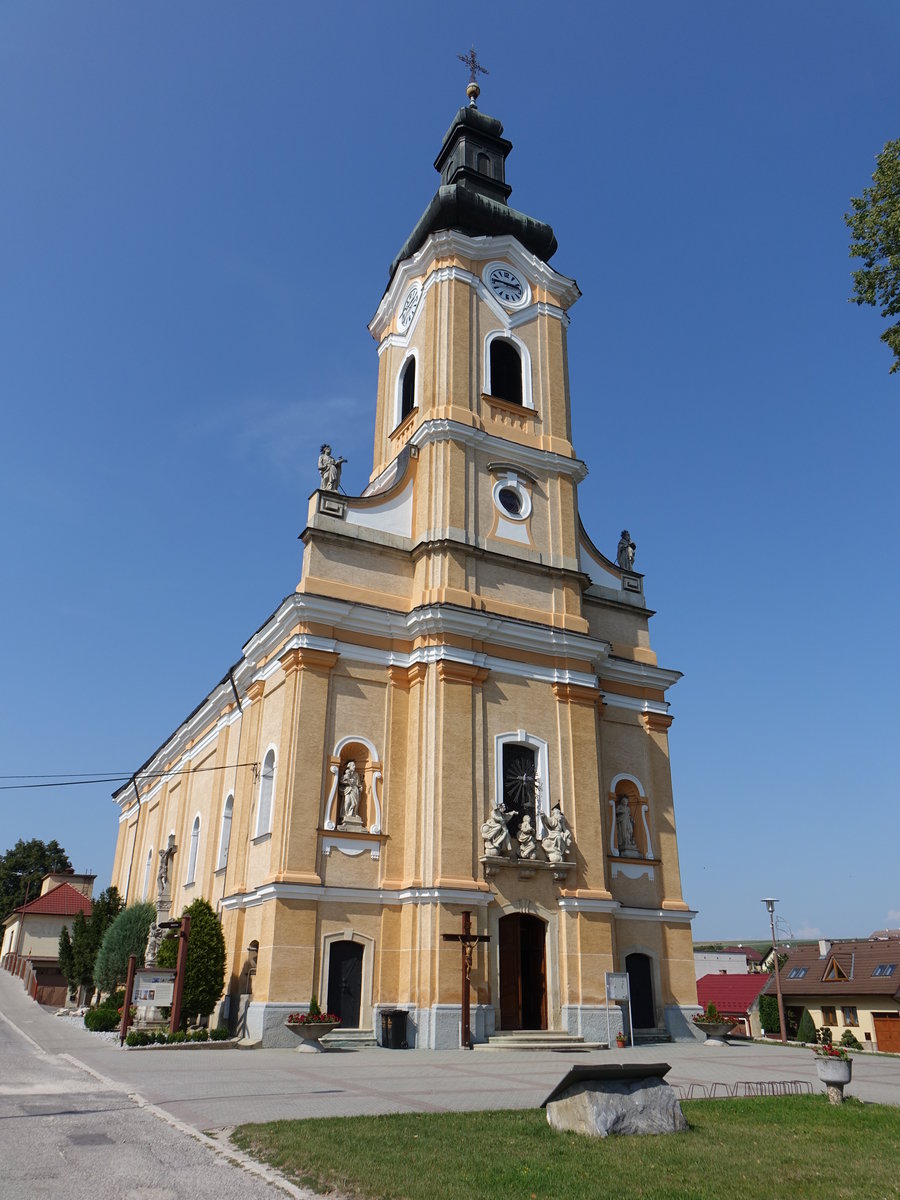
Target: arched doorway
(345, 982)
(640, 979)
(523, 974)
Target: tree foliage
(204, 978)
(768, 1013)
(87, 934)
(806, 1030)
(23, 868)
(874, 223)
(126, 935)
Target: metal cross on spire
(473, 91)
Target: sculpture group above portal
(625, 551)
(498, 842)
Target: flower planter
(715, 1031)
(834, 1073)
(310, 1032)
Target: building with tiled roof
(848, 985)
(734, 996)
(30, 944)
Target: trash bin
(393, 1029)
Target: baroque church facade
(458, 709)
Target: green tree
(126, 935)
(874, 224)
(65, 957)
(87, 934)
(806, 1030)
(23, 868)
(204, 977)
(768, 1013)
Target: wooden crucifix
(467, 939)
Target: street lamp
(770, 903)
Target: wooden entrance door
(640, 979)
(345, 982)
(523, 976)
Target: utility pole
(770, 903)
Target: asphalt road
(65, 1133)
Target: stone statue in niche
(351, 792)
(330, 469)
(558, 840)
(497, 842)
(625, 551)
(625, 829)
(525, 838)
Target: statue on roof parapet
(329, 469)
(625, 551)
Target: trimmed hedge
(152, 1037)
(101, 1020)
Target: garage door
(887, 1033)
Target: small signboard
(154, 986)
(616, 985)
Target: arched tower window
(483, 163)
(192, 853)
(408, 388)
(148, 869)
(225, 836)
(266, 791)
(506, 371)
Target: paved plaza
(216, 1089)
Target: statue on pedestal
(163, 892)
(558, 841)
(625, 829)
(330, 469)
(497, 842)
(351, 789)
(525, 838)
(625, 551)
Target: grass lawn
(797, 1147)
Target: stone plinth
(599, 1101)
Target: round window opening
(510, 500)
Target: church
(458, 710)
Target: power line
(75, 779)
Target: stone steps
(349, 1039)
(537, 1039)
(651, 1037)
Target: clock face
(506, 285)
(410, 304)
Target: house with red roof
(735, 996)
(30, 944)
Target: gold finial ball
(473, 91)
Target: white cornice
(275, 638)
(623, 912)
(540, 462)
(323, 892)
(448, 242)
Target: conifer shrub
(204, 976)
(806, 1030)
(101, 1020)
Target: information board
(153, 986)
(616, 985)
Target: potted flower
(834, 1067)
(621, 1040)
(714, 1025)
(312, 1025)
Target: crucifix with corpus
(467, 940)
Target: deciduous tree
(874, 223)
(24, 866)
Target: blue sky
(199, 207)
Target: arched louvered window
(225, 835)
(148, 870)
(192, 853)
(506, 371)
(266, 792)
(408, 388)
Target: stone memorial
(599, 1101)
